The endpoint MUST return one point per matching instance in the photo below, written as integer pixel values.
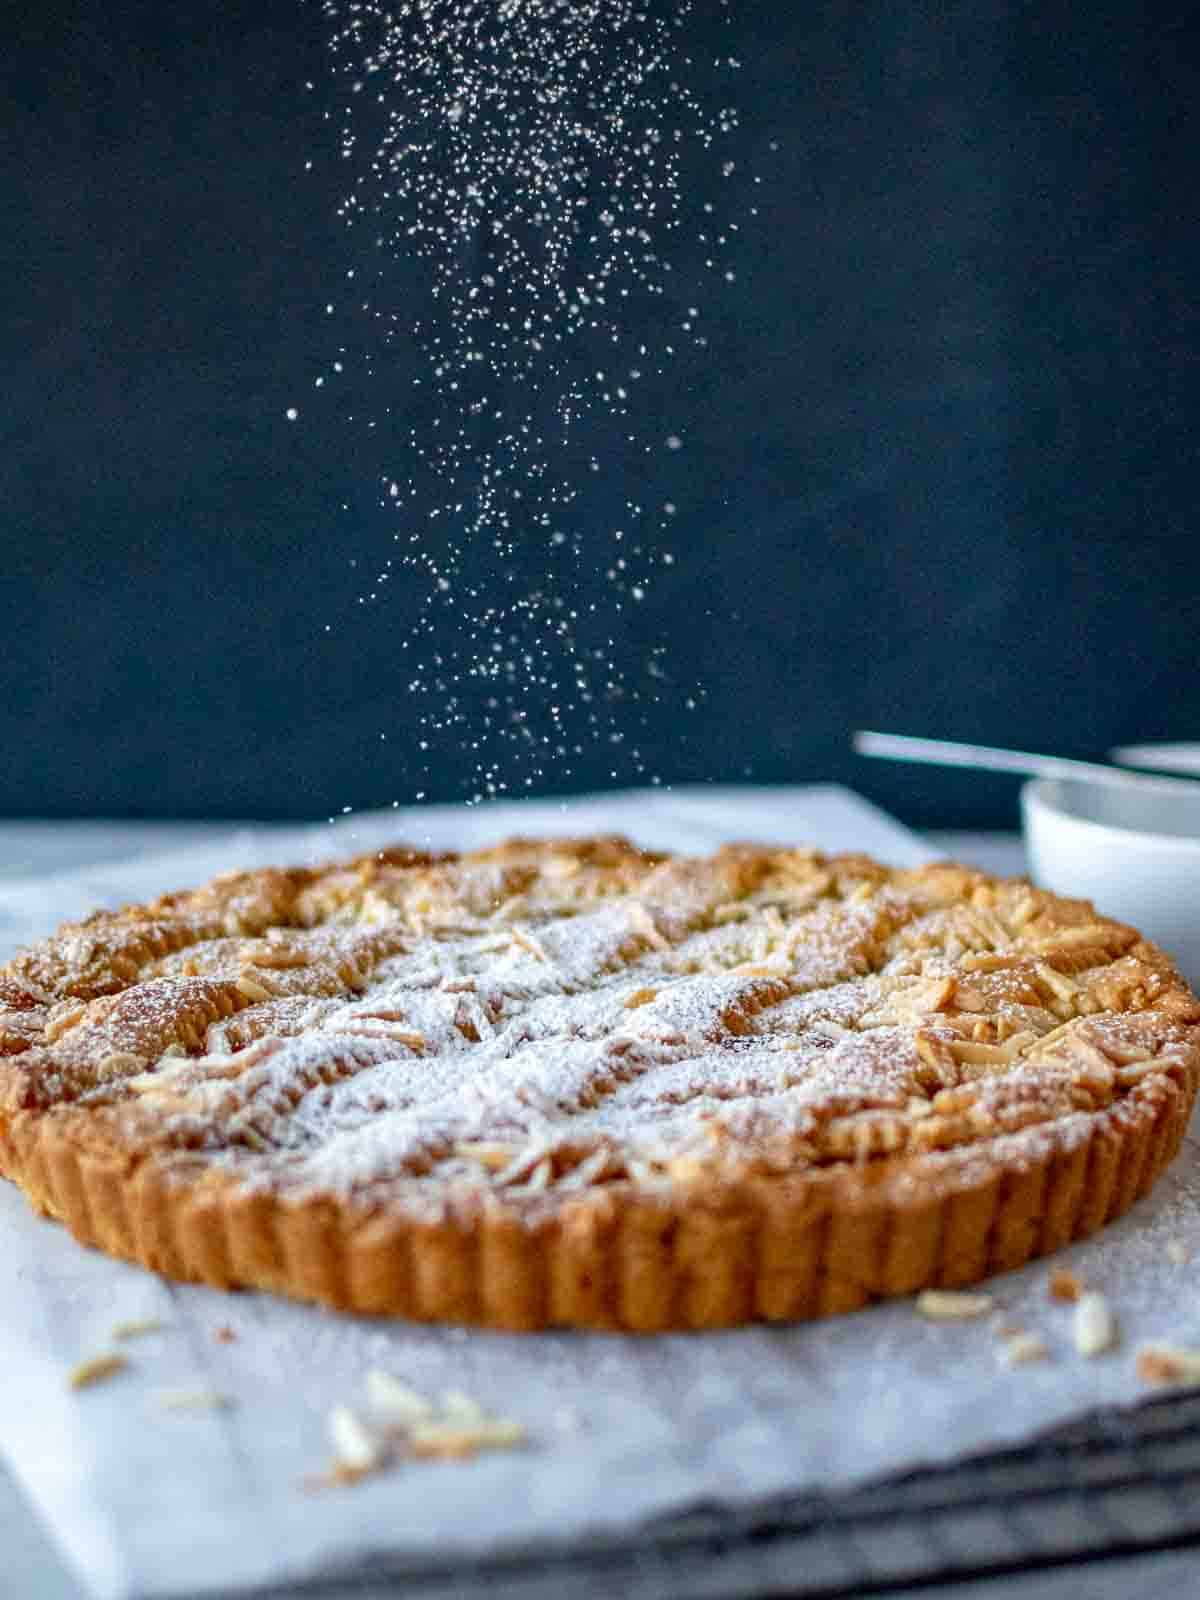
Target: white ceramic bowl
(1164, 757)
(1133, 849)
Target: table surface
(31, 1569)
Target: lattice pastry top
(572, 1082)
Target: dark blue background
(939, 476)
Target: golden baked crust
(571, 1083)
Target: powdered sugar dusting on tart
(547, 1019)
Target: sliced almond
(1061, 987)
(1094, 1326)
(639, 997)
(251, 988)
(62, 1023)
(145, 1082)
(135, 1327)
(969, 1053)
(396, 1400)
(522, 1165)
(1088, 933)
(120, 1064)
(96, 1369)
(1022, 1348)
(587, 1171)
(540, 1178)
(952, 1305)
(440, 1442)
(193, 1400)
(529, 943)
(460, 1407)
(1178, 1252)
(353, 1446)
(456, 1440)
(487, 1152)
(643, 920)
(367, 1027)
(1134, 1071)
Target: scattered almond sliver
(1064, 1285)
(1178, 1252)
(336, 1477)
(456, 1430)
(455, 1440)
(1022, 1348)
(95, 1369)
(396, 1400)
(193, 1400)
(135, 1327)
(1168, 1364)
(1093, 1325)
(459, 1407)
(354, 1448)
(952, 1305)
(444, 1444)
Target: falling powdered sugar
(525, 158)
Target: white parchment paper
(147, 1502)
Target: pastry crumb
(1168, 1364)
(96, 1369)
(1064, 1285)
(952, 1305)
(224, 1334)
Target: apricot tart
(573, 1083)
